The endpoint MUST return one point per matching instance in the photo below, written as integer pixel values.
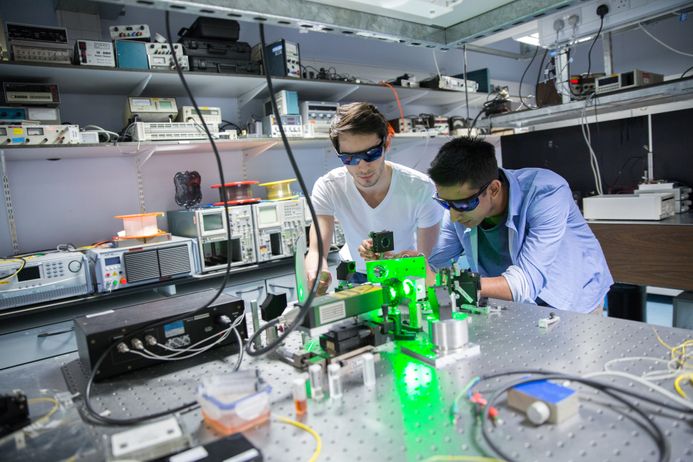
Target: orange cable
(399, 104)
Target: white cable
(594, 164)
(640, 380)
(193, 347)
(189, 348)
(101, 130)
(435, 60)
(151, 355)
(683, 53)
(670, 372)
(607, 366)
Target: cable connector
(224, 319)
(494, 416)
(602, 10)
(122, 348)
(479, 403)
(150, 340)
(137, 344)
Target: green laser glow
(393, 293)
(408, 287)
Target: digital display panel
(212, 222)
(29, 274)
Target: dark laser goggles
(462, 205)
(369, 155)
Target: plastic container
(334, 378)
(140, 224)
(230, 405)
(300, 395)
(368, 370)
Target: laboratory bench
(649, 253)
(405, 416)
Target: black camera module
(383, 241)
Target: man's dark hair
(357, 118)
(464, 160)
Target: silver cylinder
(449, 334)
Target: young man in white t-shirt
(369, 194)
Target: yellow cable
(678, 352)
(462, 459)
(677, 384)
(5, 279)
(662, 342)
(46, 399)
(304, 427)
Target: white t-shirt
(408, 205)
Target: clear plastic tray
(230, 405)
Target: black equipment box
(344, 339)
(97, 332)
(222, 65)
(14, 412)
(33, 33)
(383, 241)
(239, 51)
(212, 28)
(283, 59)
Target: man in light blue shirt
(519, 229)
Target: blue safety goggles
(369, 155)
(462, 205)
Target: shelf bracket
(7, 195)
(344, 93)
(248, 96)
(452, 109)
(392, 107)
(140, 160)
(139, 88)
(608, 53)
(255, 151)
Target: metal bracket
(343, 94)
(250, 153)
(393, 106)
(248, 96)
(7, 195)
(139, 88)
(608, 54)
(562, 76)
(140, 160)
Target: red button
(123, 281)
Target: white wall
(75, 200)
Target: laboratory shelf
(673, 91)
(97, 80)
(249, 146)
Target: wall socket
(620, 5)
(622, 13)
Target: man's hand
(323, 283)
(366, 250)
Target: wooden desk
(656, 253)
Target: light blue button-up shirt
(554, 254)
